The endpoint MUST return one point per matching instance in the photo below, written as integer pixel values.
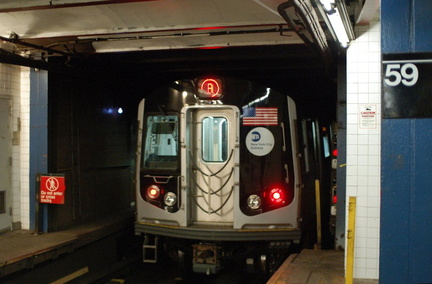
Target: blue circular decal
(256, 136)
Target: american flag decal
(260, 116)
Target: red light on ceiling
(209, 28)
(212, 47)
(210, 88)
(277, 195)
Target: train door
(5, 164)
(212, 151)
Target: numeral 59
(407, 74)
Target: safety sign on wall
(368, 117)
(52, 189)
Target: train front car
(218, 173)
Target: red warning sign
(52, 189)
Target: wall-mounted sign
(368, 117)
(407, 85)
(52, 189)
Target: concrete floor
(314, 267)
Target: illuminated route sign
(209, 88)
(407, 85)
(52, 189)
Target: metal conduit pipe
(16, 40)
(310, 19)
(297, 29)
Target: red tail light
(277, 196)
(153, 191)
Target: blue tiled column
(38, 140)
(406, 187)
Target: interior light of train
(277, 195)
(209, 88)
(170, 199)
(254, 202)
(153, 192)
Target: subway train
(319, 153)
(218, 175)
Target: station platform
(23, 249)
(314, 267)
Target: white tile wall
(14, 91)
(9, 75)
(11, 85)
(364, 145)
(25, 147)
(14, 83)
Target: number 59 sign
(407, 85)
(397, 73)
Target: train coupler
(206, 259)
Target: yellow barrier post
(350, 238)
(318, 213)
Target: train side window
(214, 139)
(161, 143)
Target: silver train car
(217, 173)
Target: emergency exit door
(213, 137)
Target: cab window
(161, 142)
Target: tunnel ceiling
(134, 30)
(264, 40)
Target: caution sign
(52, 189)
(368, 117)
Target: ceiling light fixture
(337, 15)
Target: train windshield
(161, 143)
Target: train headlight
(170, 199)
(254, 201)
(153, 191)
